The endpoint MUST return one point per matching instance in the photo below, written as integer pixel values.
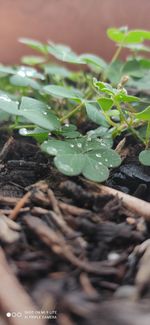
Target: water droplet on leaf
(23, 131)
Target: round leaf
(39, 113)
(144, 115)
(95, 170)
(62, 92)
(95, 114)
(69, 164)
(144, 157)
(105, 103)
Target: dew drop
(106, 159)
(113, 256)
(4, 97)
(72, 145)
(23, 131)
(88, 139)
(111, 165)
(52, 151)
(45, 113)
(79, 145)
(99, 163)
(67, 125)
(21, 73)
(98, 155)
(66, 168)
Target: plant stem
(147, 139)
(74, 111)
(133, 131)
(17, 127)
(116, 54)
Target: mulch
(71, 253)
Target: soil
(67, 249)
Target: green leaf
(29, 72)
(38, 113)
(57, 70)
(144, 157)
(63, 92)
(38, 133)
(36, 45)
(140, 84)
(53, 147)
(22, 71)
(83, 155)
(103, 135)
(117, 34)
(63, 53)
(70, 164)
(105, 103)
(137, 47)
(114, 72)
(133, 68)
(96, 63)
(69, 131)
(122, 35)
(123, 97)
(94, 114)
(144, 115)
(104, 87)
(8, 105)
(7, 69)
(32, 59)
(20, 81)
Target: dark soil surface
(82, 257)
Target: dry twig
(9, 286)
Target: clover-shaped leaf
(8, 105)
(96, 63)
(105, 103)
(34, 44)
(94, 113)
(104, 87)
(144, 157)
(103, 135)
(144, 115)
(125, 36)
(39, 113)
(63, 92)
(32, 59)
(57, 70)
(21, 81)
(63, 53)
(22, 71)
(69, 131)
(82, 156)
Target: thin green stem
(70, 114)
(132, 130)
(116, 54)
(17, 127)
(147, 139)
